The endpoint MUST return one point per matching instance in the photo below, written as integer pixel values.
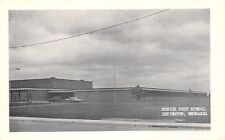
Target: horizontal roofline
(109, 89)
(48, 79)
(174, 90)
(52, 89)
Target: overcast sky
(168, 50)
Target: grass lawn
(101, 110)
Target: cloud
(170, 50)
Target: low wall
(105, 95)
(128, 96)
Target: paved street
(29, 124)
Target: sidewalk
(107, 125)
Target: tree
(137, 91)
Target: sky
(168, 50)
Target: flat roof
(54, 78)
(46, 89)
(110, 89)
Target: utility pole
(114, 79)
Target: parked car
(73, 100)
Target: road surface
(30, 124)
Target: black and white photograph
(109, 70)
